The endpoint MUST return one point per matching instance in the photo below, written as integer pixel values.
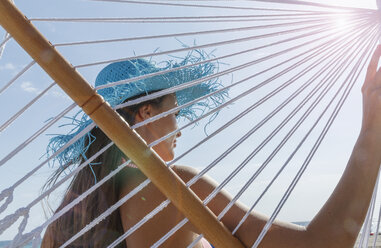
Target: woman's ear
(144, 112)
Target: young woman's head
(154, 130)
(159, 128)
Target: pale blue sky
(310, 194)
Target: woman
(336, 225)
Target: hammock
(288, 65)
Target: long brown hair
(105, 232)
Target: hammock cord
(303, 3)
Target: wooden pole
(113, 125)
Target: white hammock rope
(329, 51)
(171, 232)
(377, 228)
(27, 67)
(205, 6)
(196, 5)
(309, 158)
(168, 3)
(7, 37)
(203, 21)
(305, 3)
(22, 110)
(194, 241)
(183, 21)
(191, 19)
(219, 188)
(367, 226)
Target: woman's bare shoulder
(203, 186)
(185, 172)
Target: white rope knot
(11, 219)
(23, 211)
(6, 203)
(6, 193)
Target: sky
(310, 194)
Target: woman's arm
(342, 216)
(339, 221)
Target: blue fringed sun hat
(118, 94)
